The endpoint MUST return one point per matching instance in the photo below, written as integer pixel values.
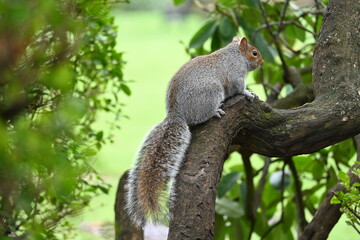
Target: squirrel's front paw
(219, 113)
(250, 95)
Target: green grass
(153, 52)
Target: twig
(118, 1)
(276, 89)
(282, 15)
(317, 12)
(298, 196)
(354, 226)
(283, 189)
(262, 182)
(217, 7)
(205, 8)
(317, 5)
(261, 169)
(295, 52)
(271, 228)
(305, 29)
(276, 41)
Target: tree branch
(124, 228)
(282, 15)
(260, 189)
(316, 12)
(250, 192)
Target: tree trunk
(333, 116)
(124, 228)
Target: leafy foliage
(58, 70)
(285, 34)
(349, 200)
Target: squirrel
(195, 94)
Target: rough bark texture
(333, 116)
(124, 228)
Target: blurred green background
(153, 50)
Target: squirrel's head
(251, 53)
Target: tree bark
(333, 116)
(124, 228)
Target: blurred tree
(322, 113)
(58, 70)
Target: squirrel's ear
(236, 39)
(243, 44)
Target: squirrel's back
(203, 82)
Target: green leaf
(228, 3)
(90, 152)
(302, 162)
(216, 40)
(178, 2)
(289, 215)
(203, 34)
(99, 135)
(238, 228)
(292, 33)
(344, 178)
(103, 189)
(335, 200)
(219, 229)
(343, 151)
(252, 3)
(332, 178)
(125, 89)
(227, 207)
(60, 78)
(227, 27)
(227, 182)
(316, 168)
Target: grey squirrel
(195, 94)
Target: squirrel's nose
(261, 62)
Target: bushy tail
(158, 162)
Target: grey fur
(195, 94)
(176, 144)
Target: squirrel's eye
(254, 53)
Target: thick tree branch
(333, 116)
(250, 192)
(302, 94)
(124, 228)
